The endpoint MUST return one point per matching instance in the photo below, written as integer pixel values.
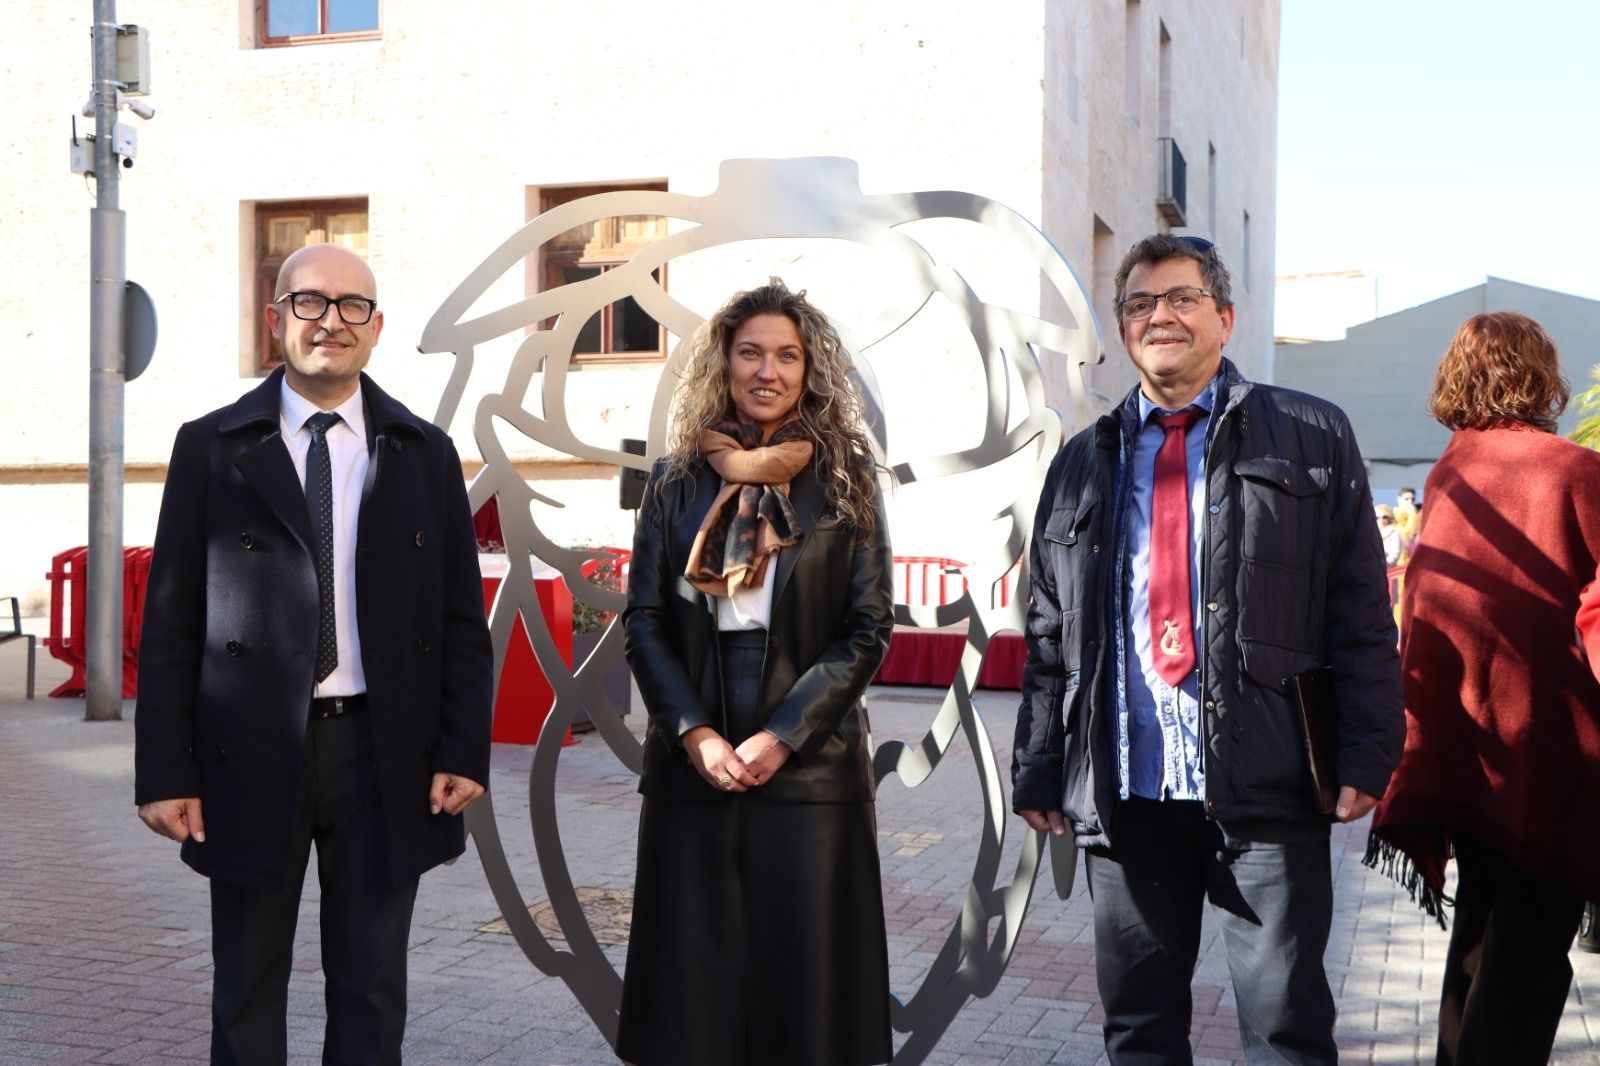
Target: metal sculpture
(759, 200)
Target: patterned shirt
(1158, 727)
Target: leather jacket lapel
(805, 493)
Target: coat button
(222, 754)
(1211, 607)
(1211, 705)
(247, 540)
(423, 645)
(232, 647)
(1215, 509)
(394, 444)
(420, 538)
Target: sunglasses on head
(1199, 244)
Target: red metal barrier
(69, 621)
(68, 575)
(927, 580)
(135, 579)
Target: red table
(524, 698)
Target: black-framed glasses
(311, 306)
(1182, 300)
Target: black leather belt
(334, 706)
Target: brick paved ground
(104, 953)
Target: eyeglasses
(311, 306)
(1182, 301)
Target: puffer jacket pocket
(1283, 507)
(1271, 753)
(1070, 542)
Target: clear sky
(1432, 143)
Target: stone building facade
(428, 133)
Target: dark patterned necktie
(319, 501)
(1171, 621)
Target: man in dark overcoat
(315, 668)
(1197, 549)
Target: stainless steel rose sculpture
(761, 202)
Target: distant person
(315, 669)
(1499, 649)
(1407, 515)
(760, 602)
(1390, 534)
(1194, 550)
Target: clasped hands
(180, 819)
(730, 769)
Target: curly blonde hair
(830, 408)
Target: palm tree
(1588, 431)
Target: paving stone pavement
(104, 935)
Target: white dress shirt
(347, 455)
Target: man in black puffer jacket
(1193, 551)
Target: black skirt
(757, 933)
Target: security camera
(139, 107)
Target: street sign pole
(107, 275)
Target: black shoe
(1589, 928)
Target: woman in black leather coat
(760, 603)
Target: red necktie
(1171, 622)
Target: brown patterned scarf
(751, 518)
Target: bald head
(324, 258)
(324, 355)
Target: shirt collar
(1206, 401)
(296, 409)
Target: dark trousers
(365, 919)
(1275, 905)
(1506, 974)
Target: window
(1164, 83)
(313, 21)
(1246, 271)
(620, 331)
(281, 228)
(1131, 72)
(1211, 187)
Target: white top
(347, 455)
(749, 608)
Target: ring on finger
(724, 780)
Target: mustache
(1167, 335)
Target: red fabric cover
(1502, 704)
(932, 656)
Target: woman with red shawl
(1499, 649)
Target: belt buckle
(338, 707)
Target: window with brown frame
(289, 22)
(281, 228)
(621, 331)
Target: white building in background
(1381, 372)
(1321, 306)
(425, 133)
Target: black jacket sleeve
(1037, 760)
(670, 698)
